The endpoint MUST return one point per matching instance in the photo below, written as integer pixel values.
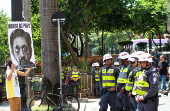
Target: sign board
(58, 16)
(21, 45)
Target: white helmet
(146, 57)
(93, 65)
(124, 55)
(131, 58)
(106, 57)
(139, 53)
(149, 57)
(96, 64)
(116, 64)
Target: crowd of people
(129, 84)
(132, 82)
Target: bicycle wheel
(70, 103)
(36, 104)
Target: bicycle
(65, 102)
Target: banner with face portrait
(21, 45)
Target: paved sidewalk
(92, 104)
(4, 106)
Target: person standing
(64, 73)
(123, 100)
(147, 84)
(155, 61)
(96, 78)
(12, 86)
(1, 85)
(163, 71)
(75, 76)
(133, 60)
(116, 64)
(108, 81)
(166, 59)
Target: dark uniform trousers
(0, 93)
(149, 106)
(108, 97)
(96, 89)
(77, 87)
(123, 101)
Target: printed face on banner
(21, 45)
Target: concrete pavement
(4, 106)
(92, 104)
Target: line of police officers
(133, 86)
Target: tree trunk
(86, 44)
(75, 59)
(27, 17)
(82, 46)
(118, 42)
(150, 42)
(129, 35)
(102, 38)
(49, 41)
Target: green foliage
(34, 7)
(149, 15)
(166, 47)
(141, 46)
(127, 42)
(4, 49)
(36, 35)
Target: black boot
(0, 97)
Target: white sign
(21, 44)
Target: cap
(74, 66)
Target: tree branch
(58, 9)
(68, 29)
(71, 6)
(89, 21)
(85, 5)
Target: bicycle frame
(45, 94)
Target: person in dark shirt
(166, 59)
(163, 71)
(155, 61)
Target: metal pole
(16, 15)
(59, 50)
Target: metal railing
(84, 81)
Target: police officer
(108, 80)
(123, 101)
(116, 64)
(132, 79)
(104, 64)
(64, 73)
(133, 60)
(1, 84)
(147, 84)
(96, 78)
(75, 76)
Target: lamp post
(58, 19)
(16, 9)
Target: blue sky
(6, 6)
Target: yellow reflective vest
(75, 75)
(123, 75)
(1, 77)
(97, 76)
(142, 86)
(62, 75)
(136, 77)
(108, 78)
(129, 84)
